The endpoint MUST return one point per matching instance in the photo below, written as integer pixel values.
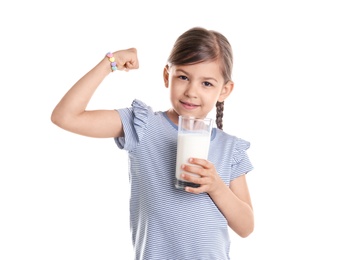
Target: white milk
(191, 145)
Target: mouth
(188, 105)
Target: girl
(168, 223)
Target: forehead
(210, 69)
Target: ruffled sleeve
(134, 120)
(241, 163)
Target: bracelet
(113, 64)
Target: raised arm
(71, 114)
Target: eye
(182, 77)
(207, 84)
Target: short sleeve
(134, 120)
(241, 163)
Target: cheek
(177, 87)
(211, 102)
(173, 92)
(213, 105)
(214, 97)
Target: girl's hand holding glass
(209, 179)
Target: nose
(191, 90)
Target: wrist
(112, 62)
(219, 189)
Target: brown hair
(201, 45)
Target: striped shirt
(167, 223)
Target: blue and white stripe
(167, 223)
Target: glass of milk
(193, 140)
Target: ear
(226, 91)
(166, 76)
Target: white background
(65, 196)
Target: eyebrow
(204, 78)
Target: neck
(172, 115)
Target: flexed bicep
(71, 112)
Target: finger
(194, 169)
(131, 65)
(198, 190)
(121, 65)
(190, 178)
(201, 162)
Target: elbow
(59, 119)
(245, 233)
(244, 230)
(55, 118)
(246, 226)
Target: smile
(188, 105)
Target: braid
(219, 114)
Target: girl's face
(195, 89)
